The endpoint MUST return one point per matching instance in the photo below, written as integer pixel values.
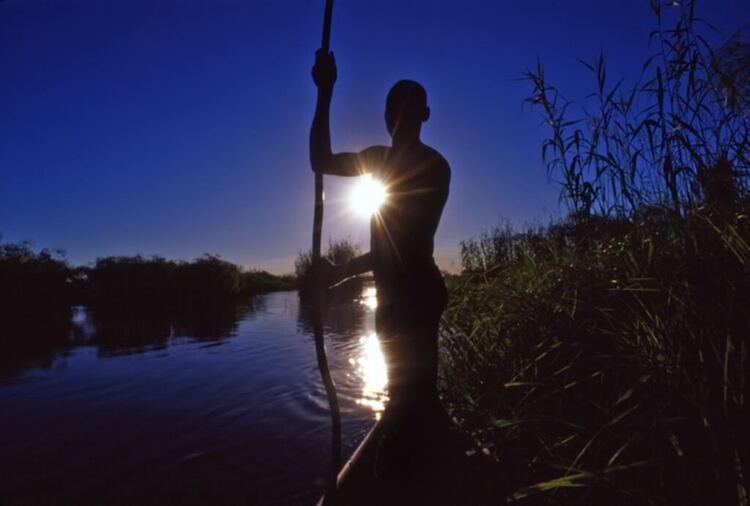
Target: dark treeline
(38, 288)
(156, 281)
(42, 286)
(35, 314)
(133, 303)
(604, 359)
(35, 287)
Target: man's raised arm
(324, 76)
(322, 158)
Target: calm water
(224, 410)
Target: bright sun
(367, 196)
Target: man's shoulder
(373, 159)
(438, 163)
(377, 151)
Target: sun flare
(367, 196)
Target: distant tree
(135, 280)
(208, 279)
(34, 286)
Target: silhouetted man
(410, 290)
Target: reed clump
(338, 253)
(605, 359)
(609, 368)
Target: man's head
(406, 109)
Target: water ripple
(125, 417)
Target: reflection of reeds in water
(114, 331)
(118, 332)
(29, 342)
(341, 309)
(128, 331)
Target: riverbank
(42, 285)
(606, 361)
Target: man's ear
(426, 114)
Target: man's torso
(402, 232)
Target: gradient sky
(180, 127)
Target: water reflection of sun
(369, 298)
(370, 366)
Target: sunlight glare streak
(371, 368)
(367, 196)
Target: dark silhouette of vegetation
(158, 283)
(33, 286)
(340, 315)
(338, 253)
(44, 285)
(609, 367)
(118, 331)
(676, 138)
(257, 281)
(604, 359)
(35, 317)
(135, 303)
(34, 312)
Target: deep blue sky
(180, 127)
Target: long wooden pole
(325, 46)
(320, 350)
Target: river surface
(230, 411)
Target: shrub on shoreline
(338, 253)
(605, 359)
(33, 286)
